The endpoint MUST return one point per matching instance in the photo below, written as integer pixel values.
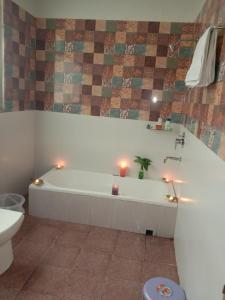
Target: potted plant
(144, 164)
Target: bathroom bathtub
(85, 197)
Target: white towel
(202, 69)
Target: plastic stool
(162, 288)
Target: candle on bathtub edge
(115, 190)
(59, 166)
(123, 169)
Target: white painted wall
(199, 237)
(93, 143)
(30, 5)
(16, 151)
(148, 10)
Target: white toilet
(10, 222)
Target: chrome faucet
(173, 158)
(180, 140)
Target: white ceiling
(147, 10)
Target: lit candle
(115, 190)
(38, 182)
(123, 169)
(59, 166)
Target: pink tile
(151, 270)
(29, 252)
(127, 269)
(102, 238)
(8, 294)
(160, 250)
(48, 280)
(78, 227)
(59, 256)
(121, 290)
(27, 295)
(130, 245)
(80, 285)
(71, 238)
(92, 262)
(43, 234)
(16, 276)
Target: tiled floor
(63, 261)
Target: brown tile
(59, 256)
(77, 227)
(87, 287)
(43, 234)
(28, 295)
(127, 269)
(86, 89)
(99, 47)
(48, 280)
(121, 290)
(150, 61)
(16, 276)
(130, 245)
(102, 238)
(30, 252)
(162, 50)
(90, 25)
(92, 262)
(160, 250)
(97, 80)
(88, 58)
(153, 27)
(8, 294)
(151, 270)
(99, 36)
(71, 238)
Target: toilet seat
(9, 218)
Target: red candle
(123, 169)
(115, 190)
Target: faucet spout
(173, 158)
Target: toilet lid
(8, 218)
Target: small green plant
(144, 164)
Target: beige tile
(127, 269)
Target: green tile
(139, 49)
(50, 56)
(111, 26)
(77, 78)
(59, 77)
(108, 59)
(117, 82)
(8, 70)
(58, 107)
(76, 108)
(120, 48)
(51, 23)
(136, 83)
(60, 46)
(49, 87)
(115, 112)
(7, 31)
(180, 85)
(186, 52)
(32, 75)
(176, 28)
(8, 106)
(106, 92)
(167, 96)
(172, 63)
(177, 118)
(78, 46)
(133, 114)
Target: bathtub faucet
(173, 158)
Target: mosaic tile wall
(204, 108)
(111, 68)
(19, 58)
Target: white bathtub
(86, 197)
